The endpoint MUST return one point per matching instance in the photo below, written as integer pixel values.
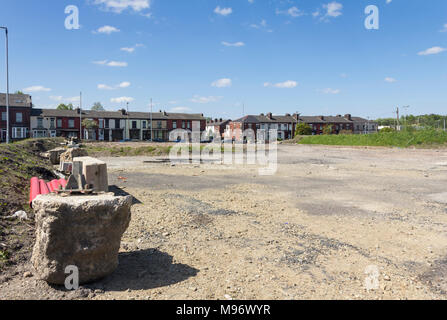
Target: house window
(174, 124)
(40, 122)
(134, 124)
(183, 125)
(71, 123)
(3, 116)
(59, 123)
(52, 122)
(106, 123)
(19, 133)
(189, 125)
(101, 123)
(144, 124)
(19, 117)
(159, 124)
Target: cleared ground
(308, 232)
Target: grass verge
(401, 139)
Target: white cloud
(111, 63)
(289, 84)
(233, 44)
(330, 91)
(107, 30)
(105, 87)
(124, 84)
(199, 99)
(433, 50)
(62, 99)
(293, 12)
(122, 99)
(119, 6)
(444, 28)
(223, 11)
(222, 83)
(390, 80)
(180, 109)
(36, 89)
(333, 9)
(132, 49)
(388, 1)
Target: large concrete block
(95, 172)
(81, 231)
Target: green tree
(328, 129)
(63, 106)
(303, 129)
(89, 124)
(97, 106)
(19, 92)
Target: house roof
(116, 115)
(265, 119)
(16, 100)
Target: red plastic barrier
(42, 187)
(63, 182)
(54, 185)
(34, 189)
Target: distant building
(217, 127)
(112, 125)
(20, 106)
(318, 123)
(364, 126)
(285, 125)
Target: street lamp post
(7, 85)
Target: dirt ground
(312, 231)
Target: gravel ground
(309, 232)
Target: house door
(3, 135)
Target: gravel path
(308, 232)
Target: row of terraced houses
(29, 122)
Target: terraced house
(20, 106)
(112, 125)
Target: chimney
(78, 110)
(269, 115)
(348, 117)
(287, 114)
(215, 120)
(220, 120)
(262, 114)
(123, 112)
(296, 116)
(165, 113)
(321, 117)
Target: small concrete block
(95, 172)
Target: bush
(345, 132)
(386, 130)
(328, 129)
(303, 129)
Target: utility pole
(80, 116)
(7, 85)
(398, 120)
(128, 123)
(152, 130)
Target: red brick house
(285, 125)
(20, 106)
(318, 123)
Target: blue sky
(216, 56)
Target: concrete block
(55, 155)
(81, 231)
(95, 172)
